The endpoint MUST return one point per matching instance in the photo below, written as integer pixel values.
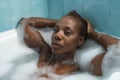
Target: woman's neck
(62, 57)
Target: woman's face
(66, 36)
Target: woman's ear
(81, 41)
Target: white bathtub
(18, 61)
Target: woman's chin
(57, 52)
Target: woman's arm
(38, 22)
(103, 39)
(33, 39)
(44, 56)
(96, 64)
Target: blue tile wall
(12, 10)
(114, 18)
(55, 9)
(104, 14)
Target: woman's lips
(56, 46)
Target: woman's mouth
(56, 46)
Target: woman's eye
(67, 32)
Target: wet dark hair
(83, 23)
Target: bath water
(18, 62)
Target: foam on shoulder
(111, 61)
(86, 53)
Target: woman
(70, 32)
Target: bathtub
(18, 62)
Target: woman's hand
(28, 21)
(90, 28)
(23, 21)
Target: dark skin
(105, 41)
(65, 40)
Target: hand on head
(90, 28)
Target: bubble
(111, 61)
(20, 61)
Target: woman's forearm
(38, 22)
(103, 39)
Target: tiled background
(104, 14)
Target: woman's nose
(57, 37)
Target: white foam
(4, 68)
(11, 49)
(81, 76)
(24, 70)
(111, 61)
(115, 76)
(14, 54)
(86, 53)
(29, 71)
